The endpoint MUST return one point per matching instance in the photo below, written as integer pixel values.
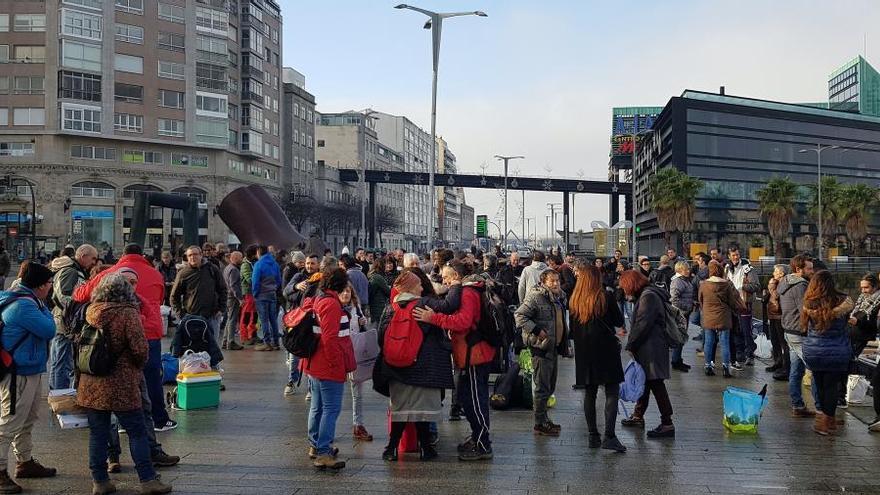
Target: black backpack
(74, 316)
(495, 325)
(299, 337)
(7, 363)
(93, 355)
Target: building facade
(298, 114)
(468, 233)
(449, 199)
(735, 145)
(855, 87)
(100, 98)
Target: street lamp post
(506, 159)
(435, 24)
(818, 150)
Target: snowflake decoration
(580, 186)
(548, 185)
(387, 177)
(418, 179)
(483, 181)
(514, 183)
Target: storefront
(94, 226)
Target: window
(129, 92)
(309, 141)
(4, 85)
(32, 23)
(92, 152)
(171, 70)
(210, 104)
(4, 23)
(76, 55)
(172, 13)
(89, 4)
(236, 166)
(139, 156)
(93, 190)
(212, 50)
(233, 138)
(128, 63)
(296, 109)
(128, 122)
(4, 116)
(80, 118)
(29, 116)
(171, 99)
(232, 113)
(130, 34)
(30, 54)
(212, 21)
(81, 24)
(29, 85)
(191, 160)
(210, 76)
(252, 141)
(79, 86)
(16, 149)
(252, 116)
(4, 53)
(133, 6)
(212, 131)
(172, 41)
(320, 143)
(171, 127)
(274, 35)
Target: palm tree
(673, 199)
(855, 199)
(831, 196)
(776, 203)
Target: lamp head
(401, 6)
(427, 25)
(480, 13)
(803, 151)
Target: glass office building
(855, 87)
(735, 145)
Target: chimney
(721, 91)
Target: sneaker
(875, 425)
(33, 469)
(613, 444)
(7, 485)
(633, 421)
(680, 366)
(360, 433)
(428, 453)
(389, 454)
(328, 462)
(476, 454)
(262, 347)
(725, 371)
(595, 441)
(289, 389)
(275, 347)
(455, 413)
(162, 459)
(154, 487)
(235, 346)
(121, 430)
(662, 431)
(313, 452)
(466, 445)
(103, 487)
(222, 387)
(710, 371)
(750, 361)
(435, 439)
(546, 429)
(113, 465)
(169, 425)
(802, 412)
(737, 366)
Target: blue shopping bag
(633, 385)
(742, 409)
(169, 368)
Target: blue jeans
(153, 375)
(743, 340)
(324, 409)
(795, 379)
(293, 368)
(60, 363)
(268, 312)
(99, 435)
(713, 337)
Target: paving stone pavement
(255, 443)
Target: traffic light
(638, 229)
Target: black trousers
(658, 388)
(780, 346)
(828, 388)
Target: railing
(249, 95)
(212, 58)
(837, 264)
(209, 83)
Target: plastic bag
(195, 362)
(764, 348)
(633, 385)
(525, 361)
(742, 409)
(366, 350)
(170, 367)
(856, 389)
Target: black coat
(647, 339)
(596, 347)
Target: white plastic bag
(366, 350)
(856, 389)
(195, 362)
(765, 348)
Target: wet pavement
(255, 443)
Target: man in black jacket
(199, 289)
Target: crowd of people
(589, 309)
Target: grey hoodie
(791, 291)
(531, 276)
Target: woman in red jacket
(328, 366)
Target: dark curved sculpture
(255, 218)
(143, 200)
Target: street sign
(482, 226)
(77, 226)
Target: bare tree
(325, 218)
(299, 209)
(387, 220)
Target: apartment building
(103, 98)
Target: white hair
(410, 260)
(85, 250)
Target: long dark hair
(820, 300)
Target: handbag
(366, 350)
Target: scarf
(867, 303)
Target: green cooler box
(198, 390)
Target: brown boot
(820, 424)
(831, 422)
(7, 485)
(154, 487)
(33, 469)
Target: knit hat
(298, 257)
(126, 269)
(407, 282)
(35, 275)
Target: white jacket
(531, 276)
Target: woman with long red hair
(595, 316)
(826, 349)
(648, 346)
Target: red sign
(13, 231)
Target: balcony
(220, 4)
(213, 84)
(251, 71)
(248, 20)
(212, 58)
(249, 95)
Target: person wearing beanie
(28, 328)
(296, 265)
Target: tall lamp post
(435, 24)
(818, 150)
(506, 159)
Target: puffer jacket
(29, 321)
(463, 322)
(120, 390)
(792, 289)
(829, 350)
(681, 293)
(68, 276)
(266, 278)
(334, 357)
(539, 311)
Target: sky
(539, 78)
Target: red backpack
(403, 337)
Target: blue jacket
(360, 283)
(31, 321)
(266, 277)
(829, 350)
